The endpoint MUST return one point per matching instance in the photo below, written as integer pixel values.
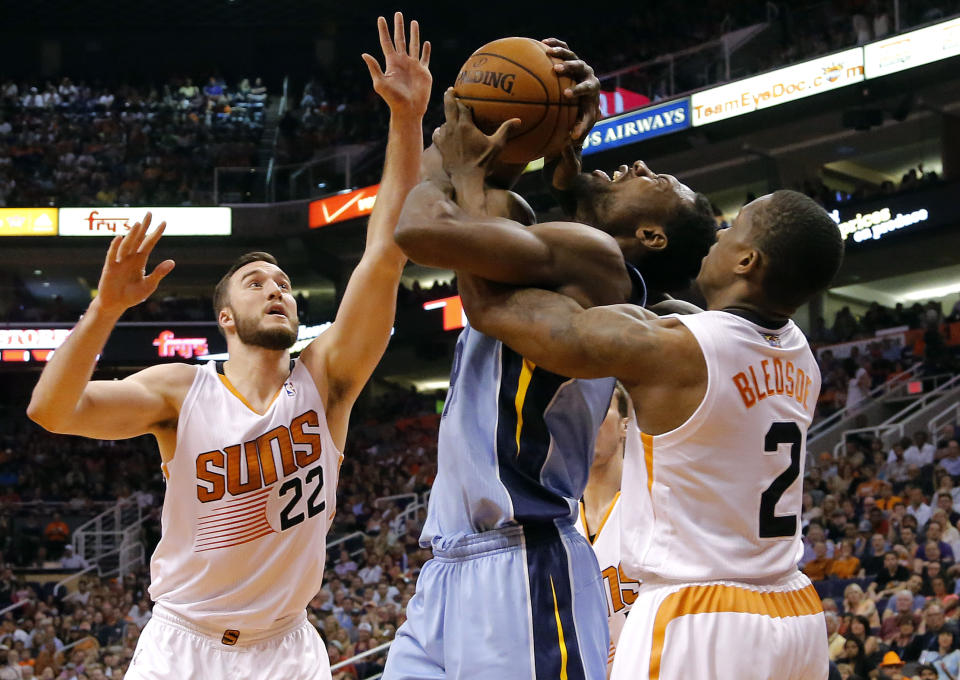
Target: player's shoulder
(165, 377)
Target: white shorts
(171, 648)
(722, 630)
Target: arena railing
(896, 426)
(679, 73)
(948, 416)
(281, 109)
(16, 605)
(362, 655)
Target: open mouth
(277, 310)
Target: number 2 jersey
(248, 503)
(719, 498)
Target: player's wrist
(105, 311)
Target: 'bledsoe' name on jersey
(773, 377)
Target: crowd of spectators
(91, 144)
(881, 537)
(912, 180)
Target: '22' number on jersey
(772, 526)
(313, 508)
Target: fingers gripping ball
(515, 78)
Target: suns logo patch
(772, 340)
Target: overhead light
(930, 293)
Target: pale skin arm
(343, 358)
(65, 399)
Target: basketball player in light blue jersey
(513, 590)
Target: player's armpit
(556, 333)
(134, 406)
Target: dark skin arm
(450, 225)
(658, 360)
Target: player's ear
(225, 318)
(652, 236)
(748, 262)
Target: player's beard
(249, 332)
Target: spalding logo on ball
(514, 78)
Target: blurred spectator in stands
(72, 561)
(920, 452)
(835, 641)
(853, 655)
(818, 568)
(945, 656)
(56, 534)
(905, 642)
(916, 505)
(949, 458)
(258, 92)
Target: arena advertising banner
(635, 126)
(882, 218)
(28, 221)
(113, 221)
(134, 343)
(915, 48)
(342, 207)
(777, 87)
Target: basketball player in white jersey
(599, 518)
(723, 401)
(250, 447)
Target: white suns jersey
(248, 504)
(620, 590)
(720, 496)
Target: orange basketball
(514, 78)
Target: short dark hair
(622, 397)
(802, 247)
(220, 297)
(690, 233)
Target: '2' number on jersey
(772, 526)
(313, 508)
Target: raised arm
(347, 353)
(65, 400)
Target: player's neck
(603, 485)
(257, 372)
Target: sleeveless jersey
(621, 591)
(248, 504)
(516, 441)
(720, 496)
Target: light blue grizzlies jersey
(516, 441)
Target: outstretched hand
(124, 281)
(464, 146)
(404, 82)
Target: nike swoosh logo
(339, 211)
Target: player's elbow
(419, 234)
(44, 416)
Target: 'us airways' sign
(652, 121)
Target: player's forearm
(400, 175)
(64, 378)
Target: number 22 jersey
(719, 498)
(248, 503)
